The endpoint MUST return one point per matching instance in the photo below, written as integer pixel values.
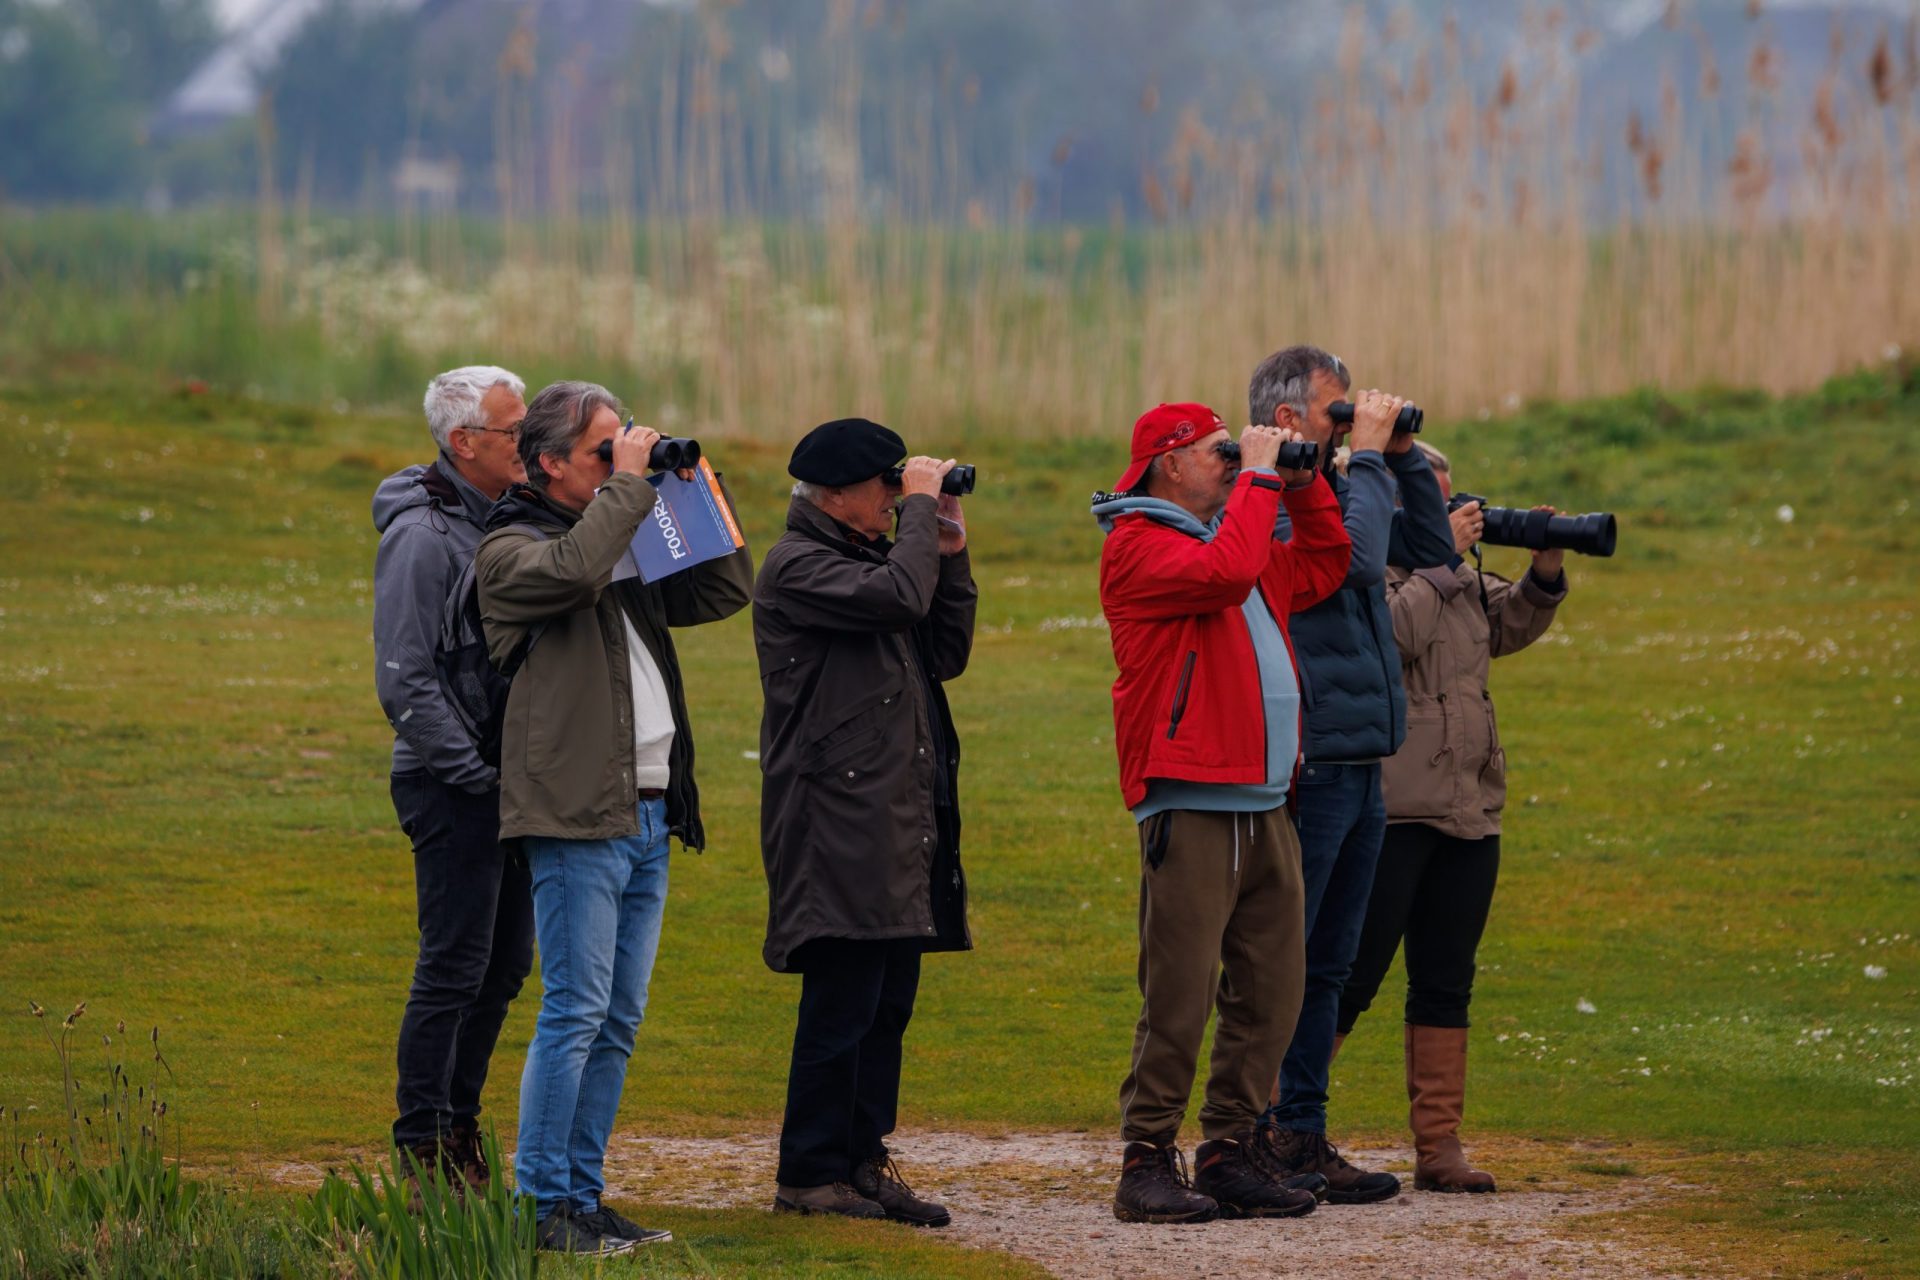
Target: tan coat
(1451, 772)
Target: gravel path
(1047, 1197)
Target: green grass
(1710, 834)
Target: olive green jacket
(566, 747)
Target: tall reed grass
(1446, 236)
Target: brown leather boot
(1436, 1090)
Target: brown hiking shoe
(466, 1160)
(836, 1198)
(1292, 1152)
(1154, 1187)
(879, 1180)
(418, 1163)
(1242, 1183)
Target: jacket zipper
(1180, 694)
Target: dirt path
(1047, 1197)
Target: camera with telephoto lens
(1295, 455)
(1588, 535)
(958, 481)
(1407, 423)
(670, 453)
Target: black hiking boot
(879, 1180)
(1291, 1152)
(1154, 1188)
(618, 1226)
(1242, 1183)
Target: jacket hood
(432, 485)
(399, 492)
(1109, 507)
(524, 504)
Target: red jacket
(1186, 704)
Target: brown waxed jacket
(1451, 772)
(566, 746)
(859, 802)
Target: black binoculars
(670, 453)
(1588, 535)
(958, 482)
(1295, 455)
(1408, 423)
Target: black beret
(845, 451)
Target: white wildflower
(1875, 971)
(1584, 1005)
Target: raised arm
(524, 579)
(820, 587)
(1184, 575)
(1421, 536)
(1319, 549)
(713, 589)
(1518, 613)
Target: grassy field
(1704, 952)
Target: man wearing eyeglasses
(475, 904)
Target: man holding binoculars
(596, 772)
(1355, 717)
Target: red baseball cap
(1162, 429)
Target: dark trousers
(843, 1087)
(1341, 818)
(475, 906)
(1435, 891)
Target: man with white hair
(475, 900)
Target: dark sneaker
(562, 1232)
(1228, 1170)
(1291, 1152)
(879, 1180)
(618, 1226)
(1154, 1187)
(835, 1197)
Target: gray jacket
(430, 520)
(1356, 706)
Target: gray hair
(453, 398)
(1286, 377)
(1437, 459)
(555, 420)
(807, 491)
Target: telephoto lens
(670, 453)
(1407, 423)
(958, 481)
(1592, 534)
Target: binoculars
(1411, 416)
(1588, 535)
(670, 453)
(958, 482)
(1295, 455)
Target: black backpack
(475, 688)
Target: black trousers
(843, 1085)
(475, 904)
(1434, 891)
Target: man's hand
(1546, 564)
(923, 475)
(953, 526)
(1260, 446)
(632, 446)
(1468, 521)
(1373, 416)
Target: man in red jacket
(1206, 713)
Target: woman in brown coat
(1444, 790)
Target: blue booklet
(689, 525)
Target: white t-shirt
(652, 714)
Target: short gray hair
(1286, 377)
(1436, 459)
(807, 491)
(453, 398)
(555, 420)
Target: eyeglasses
(512, 433)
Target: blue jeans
(597, 908)
(1342, 821)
